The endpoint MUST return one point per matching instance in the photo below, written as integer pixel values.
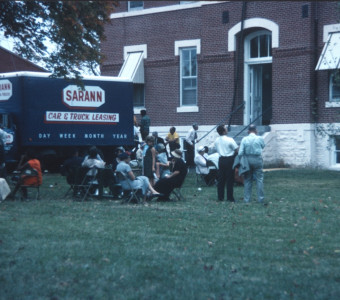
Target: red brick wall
(292, 68)
(10, 62)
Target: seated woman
(28, 162)
(93, 160)
(162, 163)
(175, 179)
(140, 182)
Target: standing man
(226, 148)
(189, 143)
(144, 124)
(252, 146)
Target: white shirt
(225, 146)
(201, 164)
(190, 138)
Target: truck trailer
(53, 115)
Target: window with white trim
(188, 76)
(334, 86)
(336, 150)
(135, 5)
(260, 46)
(138, 95)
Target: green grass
(57, 248)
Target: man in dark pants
(189, 144)
(226, 148)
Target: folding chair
(80, 182)
(177, 192)
(30, 173)
(200, 178)
(133, 193)
(90, 182)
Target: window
(260, 46)
(337, 149)
(188, 73)
(138, 95)
(334, 87)
(135, 5)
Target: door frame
(248, 62)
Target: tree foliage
(65, 35)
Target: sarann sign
(90, 97)
(5, 90)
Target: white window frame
(331, 102)
(178, 46)
(334, 151)
(135, 8)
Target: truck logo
(90, 97)
(5, 90)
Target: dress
(251, 146)
(147, 163)
(225, 146)
(166, 185)
(140, 182)
(162, 158)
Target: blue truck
(53, 115)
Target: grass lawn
(57, 248)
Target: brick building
(10, 62)
(199, 61)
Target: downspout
(315, 102)
(238, 59)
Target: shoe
(220, 200)
(232, 200)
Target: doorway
(260, 94)
(258, 78)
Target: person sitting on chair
(175, 179)
(162, 163)
(140, 182)
(92, 161)
(202, 167)
(30, 165)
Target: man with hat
(189, 144)
(179, 171)
(201, 161)
(251, 147)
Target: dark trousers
(225, 177)
(190, 154)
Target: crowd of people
(163, 165)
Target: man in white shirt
(225, 147)
(189, 144)
(251, 147)
(202, 167)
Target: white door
(255, 94)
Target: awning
(330, 56)
(133, 67)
